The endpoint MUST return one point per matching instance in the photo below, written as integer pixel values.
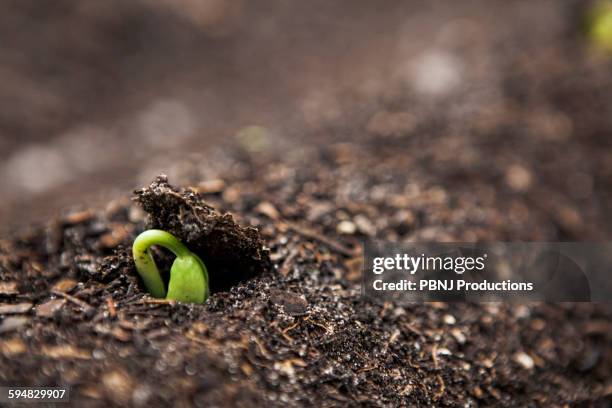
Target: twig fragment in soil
(112, 310)
(413, 329)
(288, 329)
(264, 352)
(83, 305)
(196, 339)
(149, 301)
(367, 368)
(158, 333)
(331, 244)
(434, 355)
(288, 262)
(116, 332)
(440, 392)
(138, 325)
(328, 330)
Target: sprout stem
(188, 275)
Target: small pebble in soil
(346, 227)
(8, 288)
(518, 178)
(449, 319)
(118, 385)
(524, 360)
(459, 336)
(48, 309)
(12, 347)
(364, 225)
(292, 303)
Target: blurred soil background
(99, 97)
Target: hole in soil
(221, 278)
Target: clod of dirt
(292, 303)
(232, 253)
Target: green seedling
(188, 275)
(600, 25)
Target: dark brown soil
(299, 333)
(520, 149)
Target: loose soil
(286, 324)
(294, 330)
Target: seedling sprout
(188, 275)
(600, 26)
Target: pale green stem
(145, 264)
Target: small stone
(538, 324)
(524, 360)
(231, 194)
(318, 210)
(364, 225)
(141, 395)
(569, 218)
(346, 227)
(12, 347)
(136, 214)
(8, 288)
(17, 308)
(78, 217)
(449, 319)
(407, 390)
(287, 367)
(399, 311)
(49, 308)
(488, 363)
(64, 285)
(292, 303)
(268, 210)
(113, 238)
(459, 336)
(522, 312)
(210, 186)
(118, 385)
(518, 178)
(247, 369)
(90, 391)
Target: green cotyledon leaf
(188, 274)
(188, 280)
